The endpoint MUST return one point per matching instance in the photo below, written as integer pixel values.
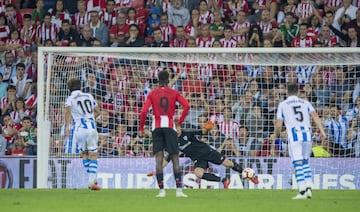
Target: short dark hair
(292, 89)
(74, 84)
(11, 87)
(163, 77)
(27, 16)
(20, 65)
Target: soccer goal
(237, 89)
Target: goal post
(122, 77)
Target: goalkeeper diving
(201, 154)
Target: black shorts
(165, 138)
(203, 154)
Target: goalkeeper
(201, 153)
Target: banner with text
(130, 173)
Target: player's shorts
(300, 150)
(202, 160)
(87, 139)
(165, 138)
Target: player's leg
(92, 150)
(173, 149)
(306, 167)
(158, 150)
(295, 152)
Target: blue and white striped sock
(92, 170)
(307, 173)
(86, 162)
(299, 175)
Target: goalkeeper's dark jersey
(190, 144)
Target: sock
(307, 173)
(211, 177)
(160, 180)
(92, 170)
(178, 180)
(237, 167)
(86, 162)
(227, 173)
(299, 175)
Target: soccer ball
(248, 174)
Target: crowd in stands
(240, 100)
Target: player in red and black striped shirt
(164, 129)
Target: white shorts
(300, 150)
(86, 139)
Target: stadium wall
(130, 173)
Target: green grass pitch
(219, 200)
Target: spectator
(93, 85)
(347, 9)
(255, 122)
(99, 30)
(168, 30)
(289, 29)
(198, 109)
(108, 14)
(241, 26)
(14, 19)
(337, 127)
(10, 131)
(217, 27)
(303, 40)
(192, 28)
(205, 40)
(86, 38)
(22, 56)
(259, 6)
(132, 19)
(153, 21)
(227, 41)
(58, 13)
(38, 14)
(180, 39)
(28, 31)
(46, 31)
(133, 40)
(9, 69)
(28, 134)
(14, 41)
(19, 111)
(178, 14)
(66, 34)
(22, 82)
(5, 29)
(81, 17)
(288, 7)
(119, 31)
(234, 7)
(158, 39)
(206, 16)
(255, 36)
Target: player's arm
(277, 130)
(318, 123)
(67, 120)
(186, 108)
(144, 113)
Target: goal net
(237, 89)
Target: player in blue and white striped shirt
(80, 111)
(296, 113)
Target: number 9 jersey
(163, 101)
